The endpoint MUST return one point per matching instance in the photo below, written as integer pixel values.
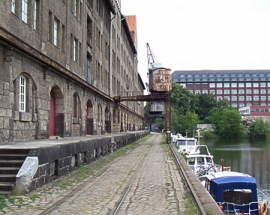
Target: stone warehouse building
(61, 64)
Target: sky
(202, 34)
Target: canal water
(244, 156)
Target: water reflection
(243, 156)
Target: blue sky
(202, 34)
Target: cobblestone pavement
(157, 189)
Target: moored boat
(186, 145)
(202, 162)
(235, 193)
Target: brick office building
(61, 64)
(240, 87)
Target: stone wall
(61, 159)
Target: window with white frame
(263, 91)
(234, 84)
(219, 85)
(227, 91)
(255, 91)
(22, 94)
(263, 98)
(24, 10)
(234, 105)
(219, 91)
(248, 84)
(75, 49)
(55, 31)
(212, 85)
(241, 91)
(234, 91)
(263, 84)
(36, 14)
(255, 84)
(212, 92)
(241, 85)
(248, 91)
(241, 98)
(248, 98)
(226, 85)
(76, 5)
(234, 98)
(13, 6)
(255, 98)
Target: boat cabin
(235, 193)
(186, 145)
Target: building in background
(240, 87)
(61, 64)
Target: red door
(52, 115)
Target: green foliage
(2, 202)
(181, 123)
(208, 135)
(226, 122)
(181, 98)
(205, 103)
(259, 128)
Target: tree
(181, 98)
(205, 103)
(259, 128)
(226, 122)
(182, 123)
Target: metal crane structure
(159, 86)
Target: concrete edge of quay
(209, 204)
(48, 160)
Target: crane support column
(168, 118)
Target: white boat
(235, 193)
(175, 137)
(202, 162)
(186, 145)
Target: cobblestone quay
(156, 189)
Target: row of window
(245, 98)
(57, 36)
(226, 85)
(239, 74)
(233, 91)
(218, 79)
(245, 104)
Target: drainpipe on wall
(110, 55)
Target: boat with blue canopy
(235, 193)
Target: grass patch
(90, 169)
(2, 202)
(33, 196)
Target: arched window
(25, 95)
(22, 94)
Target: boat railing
(204, 169)
(239, 209)
(263, 196)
